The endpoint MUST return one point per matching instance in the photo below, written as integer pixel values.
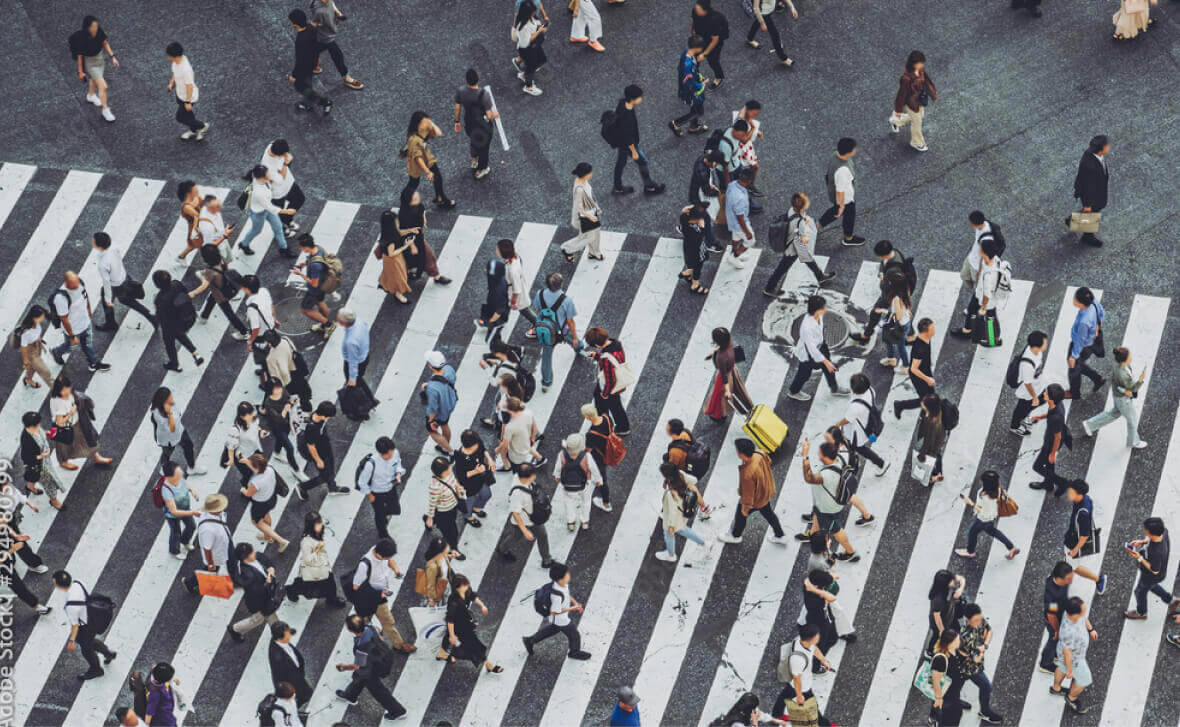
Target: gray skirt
(94, 66)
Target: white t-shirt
(261, 194)
(59, 407)
(521, 502)
(73, 304)
(285, 713)
(987, 284)
(1030, 373)
(211, 227)
(559, 601)
(519, 432)
(525, 34)
(858, 418)
(265, 482)
(989, 508)
(800, 664)
(974, 256)
(111, 270)
(811, 335)
(281, 176)
(244, 442)
(514, 271)
(30, 336)
(76, 614)
(182, 74)
(843, 180)
(258, 311)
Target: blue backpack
(548, 326)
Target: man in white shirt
(213, 539)
(841, 181)
(855, 423)
(1029, 385)
(186, 93)
(260, 317)
(983, 229)
(71, 303)
(285, 193)
(982, 309)
(379, 475)
(285, 712)
(803, 651)
(374, 572)
(212, 228)
(81, 636)
(558, 620)
(811, 352)
(115, 283)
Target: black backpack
(528, 382)
(950, 415)
(907, 268)
(542, 505)
(184, 314)
(51, 309)
(542, 600)
(849, 482)
(875, 424)
(609, 122)
(265, 712)
(361, 468)
(100, 610)
(715, 139)
(689, 504)
(1012, 377)
(696, 456)
(573, 477)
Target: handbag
(923, 98)
(803, 715)
(624, 376)
(212, 584)
(923, 683)
(588, 225)
(461, 499)
(892, 332)
(1093, 544)
(440, 586)
(1006, 506)
(1085, 222)
(63, 435)
(1098, 347)
(920, 468)
(739, 354)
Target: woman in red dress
(728, 391)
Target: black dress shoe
(234, 634)
(625, 189)
(93, 674)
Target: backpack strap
(556, 305)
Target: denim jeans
(980, 680)
(1142, 588)
(547, 361)
(84, 343)
(687, 532)
(180, 530)
(257, 219)
(479, 499)
(624, 154)
(989, 527)
(1124, 406)
(898, 350)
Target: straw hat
(215, 503)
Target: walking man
(1091, 182)
(737, 214)
(841, 182)
(214, 542)
(377, 479)
(441, 399)
(354, 349)
(614, 376)
(474, 105)
(316, 447)
(315, 272)
(1056, 599)
(627, 125)
(711, 25)
(81, 635)
(1029, 386)
(287, 663)
(257, 575)
(374, 572)
(1085, 341)
(1081, 531)
(855, 424)
(525, 520)
(71, 305)
(562, 604)
(1125, 391)
(186, 93)
(755, 492)
(116, 285)
(324, 19)
(1074, 638)
(827, 513)
(812, 352)
(1151, 555)
(921, 368)
(307, 53)
(984, 229)
(555, 313)
(1056, 435)
(372, 662)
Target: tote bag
(920, 468)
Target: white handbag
(624, 376)
(920, 468)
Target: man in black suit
(262, 598)
(287, 663)
(1090, 184)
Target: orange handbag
(211, 584)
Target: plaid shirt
(607, 367)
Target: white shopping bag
(920, 468)
(429, 622)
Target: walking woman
(31, 337)
(600, 431)
(178, 509)
(677, 486)
(87, 45)
(493, 314)
(586, 26)
(223, 286)
(262, 211)
(896, 326)
(692, 227)
(800, 245)
(191, 204)
(1124, 388)
(170, 432)
(442, 507)
(986, 507)
(461, 641)
(315, 567)
(437, 572)
(34, 449)
(70, 441)
(584, 217)
(244, 441)
(946, 606)
(391, 248)
(1132, 18)
(262, 489)
(728, 391)
(530, 39)
(764, 20)
(932, 434)
(915, 91)
(411, 223)
(614, 376)
(476, 472)
(276, 411)
(420, 160)
(501, 364)
(943, 654)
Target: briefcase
(765, 428)
(1085, 222)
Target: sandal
(788, 62)
(698, 129)
(402, 299)
(31, 383)
(569, 258)
(699, 290)
(599, 258)
(474, 522)
(686, 274)
(354, 84)
(754, 44)
(675, 128)
(497, 669)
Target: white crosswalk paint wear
(584, 289)
(1108, 466)
(13, 178)
(489, 700)
(574, 687)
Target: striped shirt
(442, 497)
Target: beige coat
(673, 515)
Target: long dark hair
(434, 547)
(29, 321)
(416, 119)
(389, 228)
(941, 583)
(742, 709)
(160, 398)
(673, 478)
(310, 520)
(989, 483)
(525, 13)
(61, 382)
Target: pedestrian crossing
(691, 636)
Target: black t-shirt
(628, 125)
(920, 351)
(1055, 597)
(82, 43)
(1054, 425)
(940, 604)
(1081, 522)
(940, 663)
(475, 103)
(316, 435)
(713, 23)
(464, 463)
(1157, 558)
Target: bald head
(72, 280)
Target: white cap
(436, 359)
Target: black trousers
(121, 294)
(385, 504)
(379, 691)
(170, 340)
(307, 89)
(774, 35)
(784, 266)
(1043, 467)
(1023, 408)
(550, 629)
(622, 156)
(360, 379)
(714, 59)
(447, 522)
(228, 310)
(91, 646)
(922, 389)
(314, 589)
(870, 455)
(337, 56)
(1080, 369)
(20, 589)
(604, 491)
(186, 446)
(1049, 651)
(413, 182)
(612, 406)
(694, 113)
(293, 200)
(803, 373)
(788, 694)
(848, 219)
(326, 476)
(767, 510)
(188, 117)
(479, 152)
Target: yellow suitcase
(765, 428)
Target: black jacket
(1090, 184)
(255, 584)
(281, 668)
(174, 307)
(628, 127)
(699, 189)
(306, 54)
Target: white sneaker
(532, 90)
(920, 148)
(1086, 428)
(187, 546)
(799, 396)
(841, 392)
(180, 556)
(106, 114)
(202, 131)
(598, 503)
(734, 260)
(889, 362)
(784, 540)
(728, 537)
(198, 471)
(901, 369)
(94, 99)
(665, 556)
(238, 336)
(1140, 444)
(188, 136)
(40, 569)
(882, 469)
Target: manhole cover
(292, 322)
(835, 328)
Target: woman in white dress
(1132, 18)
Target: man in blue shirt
(551, 299)
(1085, 340)
(737, 213)
(441, 398)
(626, 712)
(355, 350)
